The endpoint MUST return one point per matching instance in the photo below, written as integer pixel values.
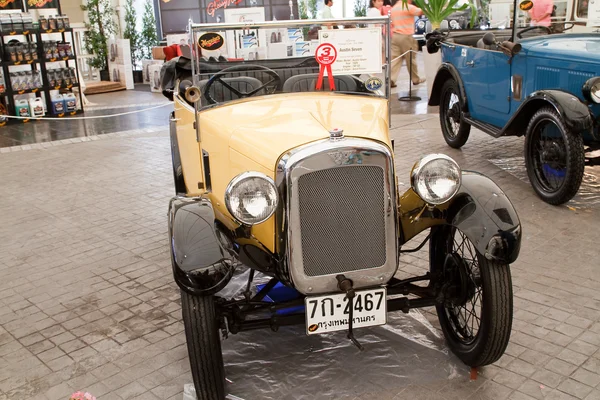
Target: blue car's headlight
(591, 89)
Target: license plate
(331, 312)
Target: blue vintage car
(545, 87)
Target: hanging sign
(358, 50)
(326, 54)
(216, 4)
(526, 5)
(211, 41)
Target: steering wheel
(241, 68)
(531, 28)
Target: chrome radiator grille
(342, 219)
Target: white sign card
(593, 13)
(359, 50)
(235, 39)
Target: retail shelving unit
(40, 64)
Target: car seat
(307, 83)
(221, 93)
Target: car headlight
(591, 89)
(251, 197)
(421, 24)
(436, 178)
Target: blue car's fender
(575, 114)
(447, 71)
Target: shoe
(394, 84)
(422, 80)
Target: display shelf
(10, 63)
(71, 86)
(58, 59)
(56, 30)
(37, 35)
(25, 91)
(19, 32)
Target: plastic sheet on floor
(589, 192)
(288, 364)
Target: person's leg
(396, 51)
(414, 76)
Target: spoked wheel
(455, 130)
(204, 346)
(476, 316)
(554, 156)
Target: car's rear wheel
(554, 156)
(204, 346)
(476, 316)
(455, 130)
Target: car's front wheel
(204, 346)
(476, 315)
(554, 156)
(455, 130)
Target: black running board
(482, 126)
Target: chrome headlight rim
(591, 89)
(241, 178)
(419, 167)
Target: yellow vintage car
(283, 164)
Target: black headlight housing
(591, 89)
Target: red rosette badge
(326, 54)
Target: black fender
(201, 264)
(483, 212)
(480, 210)
(575, 114)
(446, 71)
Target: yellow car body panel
(253, 137)
(189, 150)
(268, 126)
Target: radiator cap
(336, 134)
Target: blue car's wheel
(554, 156)
(455, 130)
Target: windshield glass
(233, 61)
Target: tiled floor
(87, 301)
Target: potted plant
(436, 12)
(148, 37)
(133, 35)
(360, 8)
(100, 26)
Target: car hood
(574, 47)
(264, 128)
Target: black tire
(204, 346)
(454, 128)
(492, 286)
(554, 156)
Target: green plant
(360, 8)
(302, 11)
(438, 10)
(148, 38)
(100, 26)
(131, 32)
(312, 8)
